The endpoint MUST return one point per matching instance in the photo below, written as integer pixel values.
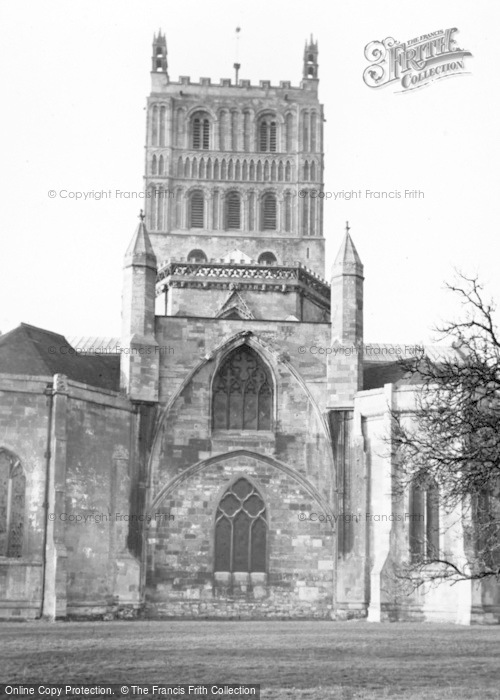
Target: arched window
(268, 217)
(241, 530)
(197, 256)
(424, 521)
(12, 505)
(306, 171)
(196, 210)
(200, 131)
(313, 171)
(242, 393)
(233, 211)
(180, 168)
(153, 166)
(268, 130)
(161, 166)
(267, 258)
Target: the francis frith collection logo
(416, 62)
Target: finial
(347, 227)
(142, 215)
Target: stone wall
(192, 465)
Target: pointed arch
(154, 167)
(242, 392)
(161, 166)
(273, 171)
(240, 534)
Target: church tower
(233, 171)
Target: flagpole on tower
(236, 64)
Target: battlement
(228, 87)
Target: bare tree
(451, 447)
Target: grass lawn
(313, 660)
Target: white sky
(74, 77)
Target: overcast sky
(74, 80)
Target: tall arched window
(161, 166)
(242, 393)
(154, 166)
(268, 217)
(196, 210)
(268, 131)
(424, 521)
(241, 530)
(12, 505)
(233, 211)
(200, 131)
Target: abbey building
(227, 456)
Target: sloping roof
(381, 362)
(37, 352)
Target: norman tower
(232, 170)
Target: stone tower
(139, 363)
(232, 176)
(345, 363)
